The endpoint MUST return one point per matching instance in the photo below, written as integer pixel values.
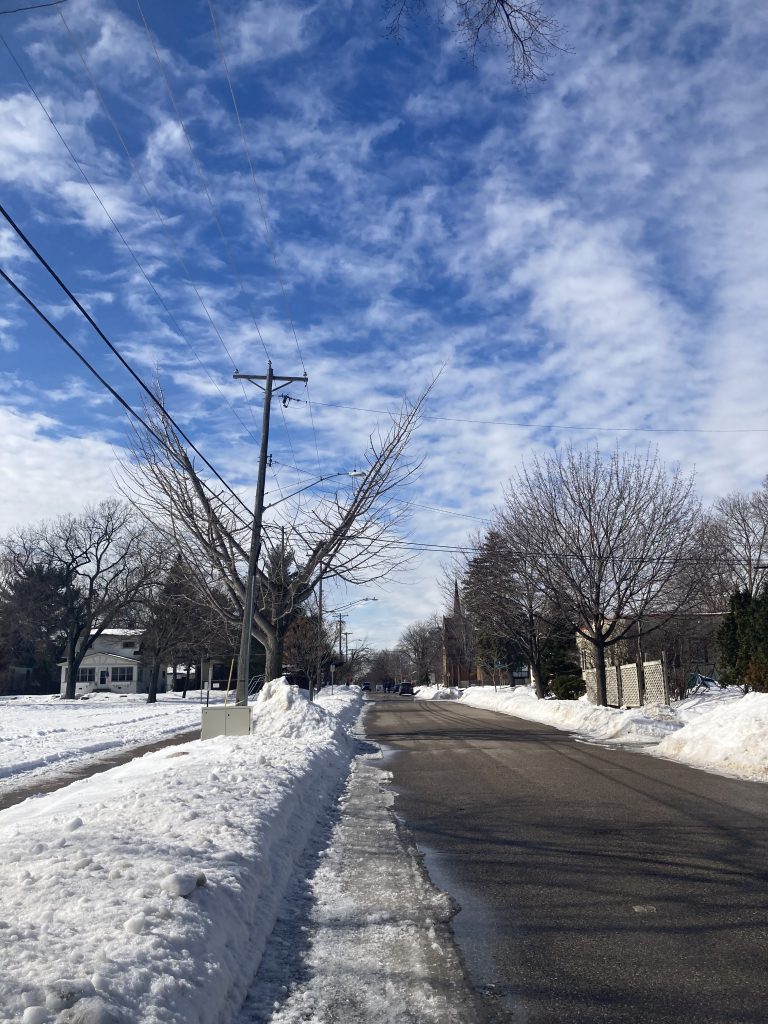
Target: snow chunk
(34, 1015)
(182, 883)
(65, 992)
(74, 824)
(92, 1011)
(135, 925)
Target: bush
(567, 686)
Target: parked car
(406, 690)
(365, 686)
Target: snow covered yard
(41, 737)
(148, 893)
(719, 730)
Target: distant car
(406, 689)
(365, 686)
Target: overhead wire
(555, 426)
(115, 351)
(268, 234)
(116, 394)
(229, 257)
(33, 7)
(153, 203)
(174, 322)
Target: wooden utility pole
(319, 673)
(244, 657)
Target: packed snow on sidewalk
(42, 737)
(363, 935)
(721, 730)
(148, 893)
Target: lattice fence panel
(612, 686)
(590, 678)
(656, 691)
(630, 686)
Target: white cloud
(43, 475)
(264, 30)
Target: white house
(114, 664)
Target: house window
(86, 675)
(122, 675)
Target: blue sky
(590, 254)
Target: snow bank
(732, 738)
(148, 893)
(719, 729)
(436, 693)
(44, 736)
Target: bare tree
(104, 563)
(357, 661)
(386, 666)
(523, 30)
(610, 537)
(421, 643)
(345, 536)
(738, 534)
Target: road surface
(596, 884)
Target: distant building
(114, 664)
(459, 667)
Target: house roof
(105, 654)
(118, 632)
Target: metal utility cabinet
(232, 721)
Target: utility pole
(341, 627)
(244, 656)
(319, 679)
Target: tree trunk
(535, 670)
(153, 680)
(602, 693)
(273, 668)
(69, 692)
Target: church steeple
(456, 600)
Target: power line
(229, 257)
(174, 322)
(76, 302)
(268, 235)
(559, 426)
(33, 7)
(153, 204)
(115, 394)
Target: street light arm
(320, 480)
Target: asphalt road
(594, 884)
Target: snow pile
(148, 893)
(437, 693)
(732, 738)
(719, 729)
(45, 736)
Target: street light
(354, 473)
(332, 611)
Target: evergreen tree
(743, 642)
